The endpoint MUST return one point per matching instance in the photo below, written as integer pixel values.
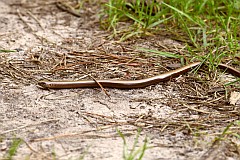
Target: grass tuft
(135, 152)
(205, 26)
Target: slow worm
(129, 84)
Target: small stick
(30, 125)
(35, 18)
(67, 8)
(103, 89)
(194, 109)
(21, 17)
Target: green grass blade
(158, 22)
(134, 18)
(144, 148)
(125, 148)
(135, 143)
(13, 148)
(180, 12)
(6, 51)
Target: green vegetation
(6, 51)
(135, 153)
(237, 123)
(227, 131)
(16, 142)
(209, 28)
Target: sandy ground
(68, 124)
